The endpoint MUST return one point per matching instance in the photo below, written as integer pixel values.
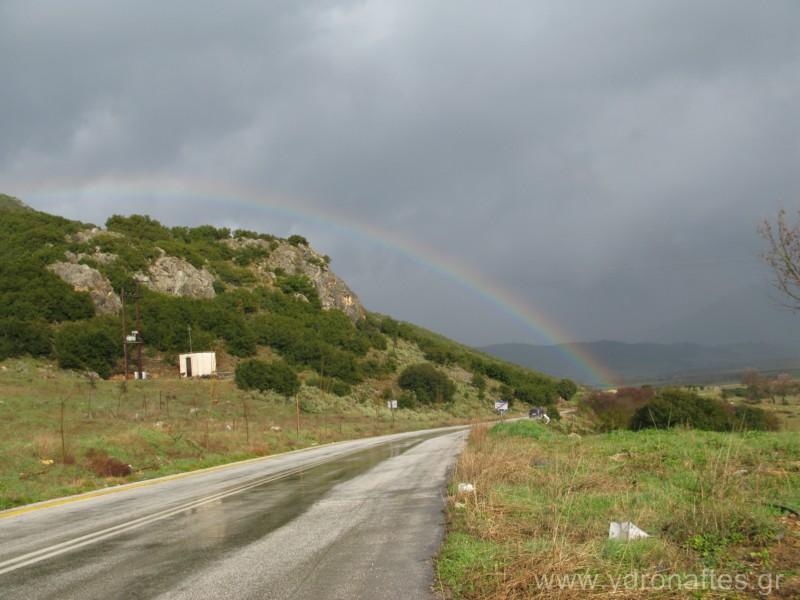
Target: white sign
(501, 405)
(391, 404)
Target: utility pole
(140, 340)
(189, 327)
(124, 334)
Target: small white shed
(197, 364)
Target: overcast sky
(607, 163)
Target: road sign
(391, 404)
(501, 405)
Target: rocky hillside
(240, 293)
(248, 261)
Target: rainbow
(423, 254)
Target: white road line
(39, 555)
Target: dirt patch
(106, 466)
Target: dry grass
(164, 426)
(542, 507)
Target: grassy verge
(537, 523)
(166, 426)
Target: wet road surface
(360, 519)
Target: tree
(19, 337)
(428, 384)
(479, 383)
(298, 240)
(757, 385)
(783, 255)
(276, 376)
(783, 385)
(92, 345)
(566, 388)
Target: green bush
(91, 345)
(332, 385)
(299, 284)
(566, 388)
(30, 292)
(752, 418)
(19, 337)
(275, 376)
(673, 408)
(298, 240)
(428, 384)
(138, 227)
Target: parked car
(539, 414)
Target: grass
(543, 502)
(167, 425)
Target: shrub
(258, 375)
(19, 337)
(566, 388)
(479, 383)
(138, 226)
(91, 345)
(30, 292)
(615, 411)
(535, 393)
(407, 399)
(754, 419)
(298, 240)
(679, 407)
(332, 385)
(299, 284)
(428, 384)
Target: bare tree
(783, 255)
(783, 385)
(756, 384)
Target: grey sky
(606, 162)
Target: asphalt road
(359, 519)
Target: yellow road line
(14, 512)
(97, 536)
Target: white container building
(197, 364)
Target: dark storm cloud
(607, 162)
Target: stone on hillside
(84, 278)
(101, 258)
(87, 235)
(303, 260)
(175, 276)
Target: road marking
(13, 512)
(36, 556)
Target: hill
(654, 363)
(240, 293)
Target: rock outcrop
(84, 278)
(175, 276)
(87, 235)
(333, 291)
(101, 258)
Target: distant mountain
(652, 363)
